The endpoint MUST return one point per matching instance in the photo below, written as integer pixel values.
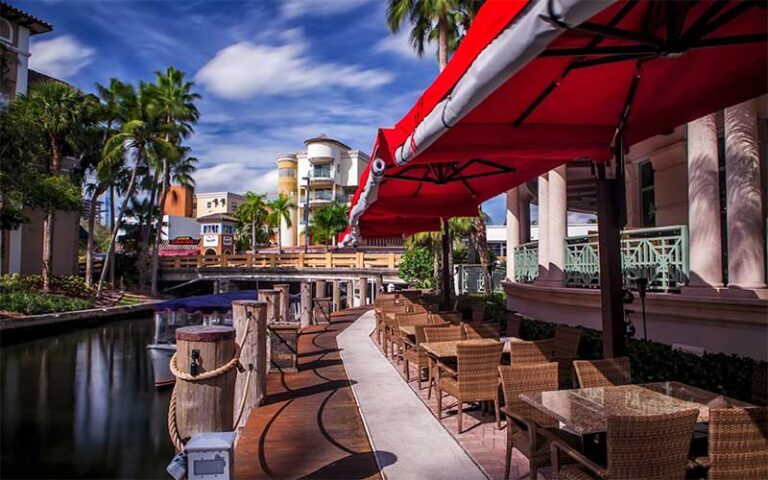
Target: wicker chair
(476, 378)
(760, 384)
(386, 322)
(449, 316)
(528, 352)
(415, 355)
(514, 323)
(403, 320)
(564, 349)
(478, 312)
(481, 330)
(737, 444)
(602, 373)
(441, 334)
(639, 447)
(524, 422)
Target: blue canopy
(220, 302)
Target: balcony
(658, 254)
(320, 160)
(324, 174)
(321, 197)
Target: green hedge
(730, 375)
(31, 303)
(69, 286)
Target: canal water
(82, 404)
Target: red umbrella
(536, 84)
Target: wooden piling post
(284, 290)
(306, 303)
(251, 385)
(205, 405)
(272, 297)
(378, 286)
(350, 293)
(336, 295)
(363, 291)
(320, 288)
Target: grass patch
(33, 303)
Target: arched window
(6, 30)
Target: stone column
(363, 286)
(513, 230)
(350, 294)
(706, 256)
(319, 288)
(284, 290)
(525, 219)
(336, 294)
(306, 304)
(746, 258)
(378, 282)
(558, 225)
(543, 222)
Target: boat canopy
(220, 302)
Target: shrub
(31, 303)
(69, 286)
(417, 267)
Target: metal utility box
(210, 456)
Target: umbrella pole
(610, 204)
(445, 275)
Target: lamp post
(306, 217)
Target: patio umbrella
(538, 83)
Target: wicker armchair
(602, 373)
(379, 306)
(514, 323)
(450, 333)
(528, 352)
(415, 355)
(525, 424)
(564, 349)
(451, 316)
(476, 378)
(639, 447)
(388, 323)
(403, 320)
(737, 444)
(481, 330)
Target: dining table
(585, 411)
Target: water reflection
(83, 405)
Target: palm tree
(482, 245)
(139, 135)
(279, 212)
(429, 18)
(61, 112)
(173, 100)
(328, 222)
(253, 211)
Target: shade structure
(538, 83)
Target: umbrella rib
(724, 18)
(612, 59)
(612, 50)
(727, 41)
(619, 33)
(624, 117)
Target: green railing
(472, 280)
(526, 262)
(658, 254)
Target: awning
(538, 83)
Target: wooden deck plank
(309, 425)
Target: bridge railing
(388, 260)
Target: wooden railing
(389, 260)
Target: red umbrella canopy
(536, 84)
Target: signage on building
(226, 240)
(185, 240)
(210, 241)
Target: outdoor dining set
(584, 418)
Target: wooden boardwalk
(309, 426)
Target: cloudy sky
(271, 72)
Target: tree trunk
(55, 156)
(280, 237)
(159, 227)
(446, 274)
(50, 219)
(253, 237)
(146, 232)
(123, 206)
(111, 227)
(91, 224)
(482, 248)
(442, 42)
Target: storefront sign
(211, 241)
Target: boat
(183, 312)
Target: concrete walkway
(408, 440)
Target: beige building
(219, 202)
(696, 230)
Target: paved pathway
(408, 440)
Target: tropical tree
(62, 113)
(253, 211)
(482, 245)
(142, 134)
(173, 100)
(327, 222)
(279, 212)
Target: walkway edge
(395, 419)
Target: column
(558, 225)
(513, 230)
(525, 218)
(543, 222)
(705, 251)
(285, 313)
(336, 294)
(363, 286)
(306, 303)
(378, 282)
(350, 294)
(746, 258)
(320, 288)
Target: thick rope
(241, 409)
(173, 429)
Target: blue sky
(271, 73)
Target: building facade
(217, 234)
(696, 231)
(327, 171)
(219, 202)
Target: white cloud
(400, 44)
(305, 8)
(235, 177)
(60, 57)
(247, 69)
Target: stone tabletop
(448, 349)
(587, 410)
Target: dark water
(82, 405)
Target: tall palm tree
(253, 211)
(328, 222)
(426, 18)
(61, 112)
(279, 212)
(481, 236)
(173, 100)
(140, 134)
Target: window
(223, 202)
(647, 195)
(6, 31)
(228, 229)
(286, 172)
(209, 204)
